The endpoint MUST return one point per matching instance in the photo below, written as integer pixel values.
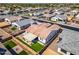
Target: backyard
(35, 46)
(13, 28)
(9, 44)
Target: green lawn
(13, 28)
(9, 44)
(23, 53)
(37, 46)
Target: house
(59, 18)
(68, 42)
(65, 9)
(46, 11)
(29, 37)
(22, 24)
(45, 32)
(48, 16)
(37, 14)
(59, 12)
(12, 19)
(70, 13)
(6, 12)
(74, 11)
(77, 16)
(76, 20)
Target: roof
(75, 11)
(77, 17)
(29, 36)
(13, 18)
(44, 33)
(24, 22)
(61, 17)
(59, 11)
(42, 30)
(48, 15)
(37, 28)
(5, 16)
(70, 41)
(70, 13)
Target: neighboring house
(69, 42)
(74, 11)
(48, 16)
(65, 9)
(29, 37)
(59, 18)
(6, 11)
(47, 11)
(45, 32)
(70, 13)
(30, 14)
(37, 14)
(22, 24)
(77, 16)
(12, 19)
(76, 20)
(59, 12)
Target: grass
(23, 53)
(9, 44)
(36, 46)
(13, 28)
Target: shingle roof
(5, 16)
(61, 17)
(70, 41)
(13, 18)
(24, 22)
